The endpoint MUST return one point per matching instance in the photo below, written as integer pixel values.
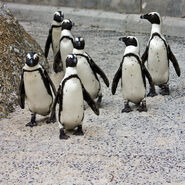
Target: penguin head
(129, 41)
(58, 16)
(71, 60)
(32, 59)
(79, 43)
(67, 24)
(152, 17)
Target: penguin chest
(133, 88)
(56, 32)
(157, 63)
(66, 48)
(39, 101)
(72, 108)
(87, 77)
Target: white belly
(39, 101)
(157, 63)
(133, 88)
(56, 32)
(87, 77)
(66, 48)
(73, 110)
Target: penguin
(132, 73)
(37, 88)
(88, 70)
(70, 96)
(65, 44)
(54, 33)
(158, 54)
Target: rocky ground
(135, 148)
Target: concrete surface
(114, 21)
(125, 149)
(166, 7)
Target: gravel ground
(135, 148)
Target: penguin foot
(79, 131)
(126, 109)
(31, 124)
(165, 92)
(142, 108)
(51, 120)
(152, 94)
(63, 135)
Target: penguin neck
(70, 71)
(156, 28)
(55, 23)
(78, 51)
(26, 67)
(66, 33)
(131, 49)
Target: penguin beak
(144, 16)
(123, 39)
(30, 63)
(73, 23)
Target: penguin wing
(21, 99)
(57, 62)
(89, 100)
(149, 77)
(98, 70)
(58, 95)
(145, 55)
(116, 79)
(48, 42)
(50, 81)
(173, 59)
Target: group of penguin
(80, 81)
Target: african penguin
(88, 70)
(70, 96)
(132, 73)
(54, 33)
(65, 44)
(37, 88)
(158, 54)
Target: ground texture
(117, 148)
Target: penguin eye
(81, 39)
(35, 56)
(28, 56)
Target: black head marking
(79, 43)
(32, 59)
(58, 16)
(71, 60)
(67, 24)
(129, 41)
(153, 17)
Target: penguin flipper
(50, 82)
(98, 70)
(116, 79)
(21, 99)
(48, 42)
(145, 55)
(149, 77)
(57, 62)
(174, 61)
(90, 101)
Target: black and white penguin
(54, 33)
(88, 70)
(36, 87)
(158, 54)
(66, 45)
(132, 73)
(70, 96)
